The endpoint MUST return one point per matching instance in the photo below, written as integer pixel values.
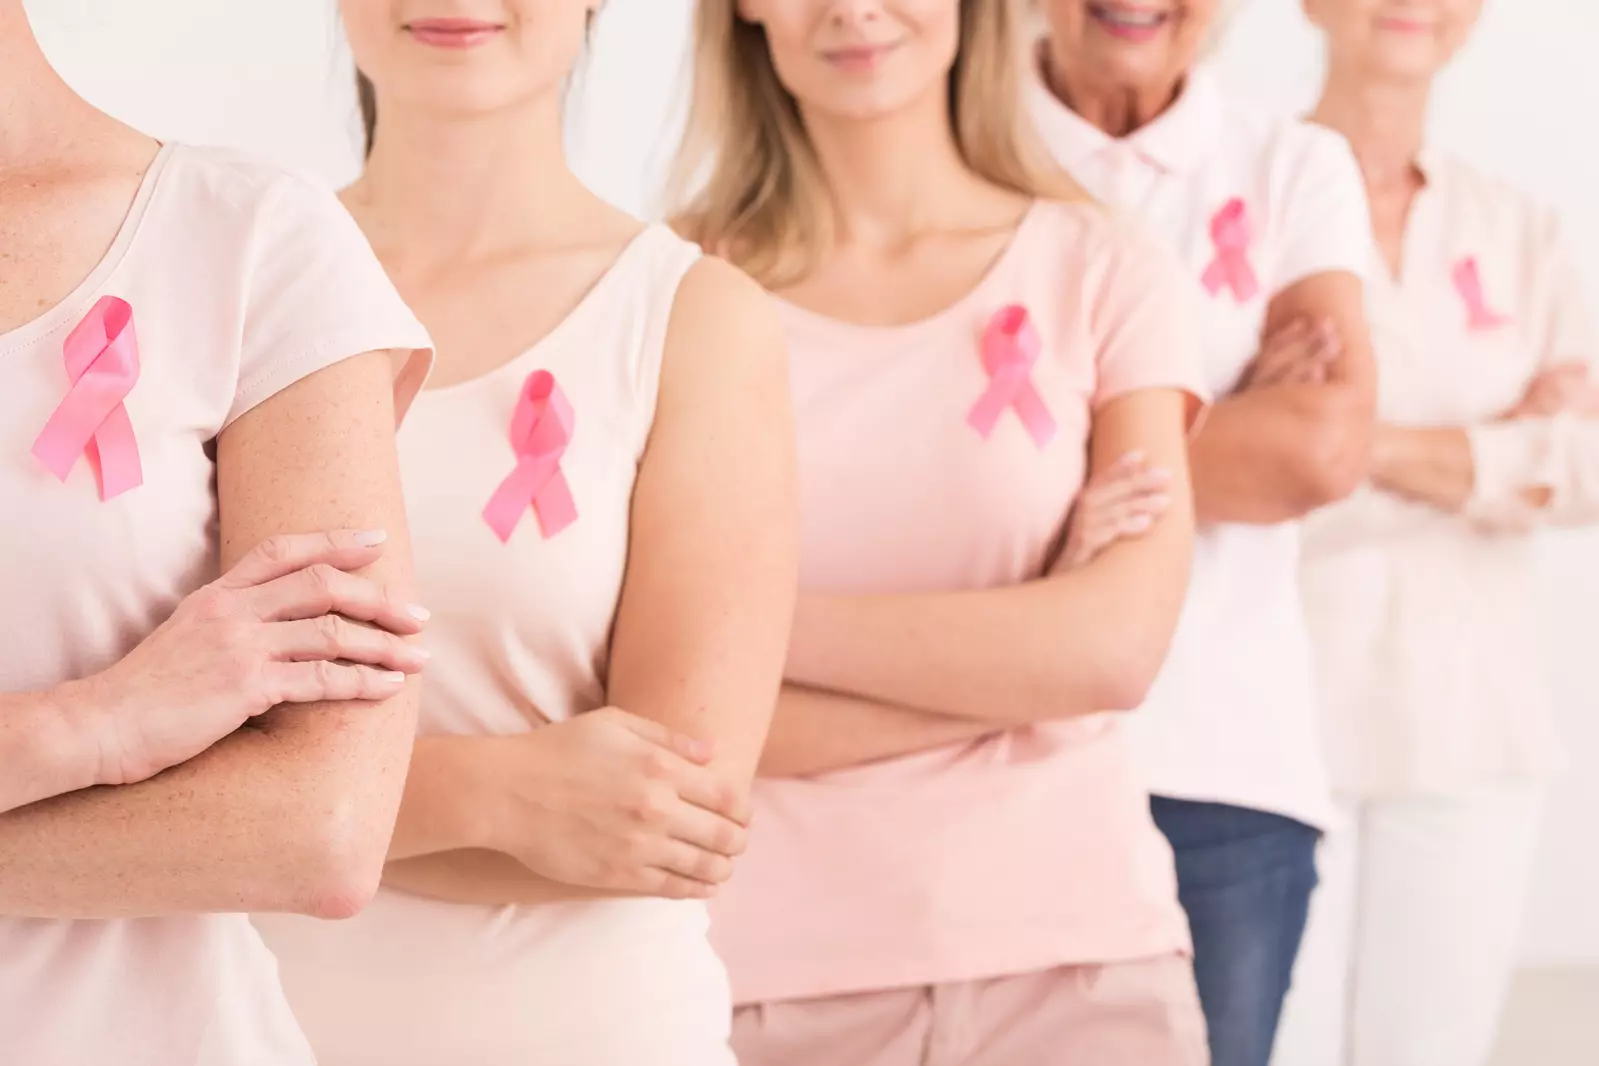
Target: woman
(600, 482)
(1269, 218)
(953, 861)
(198, 355)
(1420, 590)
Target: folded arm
(1273, 454)
(294, 813)
(705, 611)
(1070, 643)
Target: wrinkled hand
(613, 801)
(1561, 389)
(1300, 352)
(1120, 502)
(274, 629)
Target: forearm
(44, 749)
(814, 732)
(1073, 643)
(256, 823)
(447, 806)
(1433, 466)
(486, 878)
(1275, 454)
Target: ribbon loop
(1010, 347)
(1468, 282)
(541, 429)
(102, 361)
(1231, 234)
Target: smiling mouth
(453, 33)
(863, 57)
(1129, 20)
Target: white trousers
(1412, 935)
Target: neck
(1385, 122)
(463, 187)
(1117, 109)
(35, 104)
(894, 177)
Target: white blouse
(1429, 665)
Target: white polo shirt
(1231, 718)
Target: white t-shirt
(242, 280)
(1231, 718)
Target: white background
(269, 75)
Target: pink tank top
(520, 634)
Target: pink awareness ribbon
(102, 357)
(1468, 282)
(1010, 347)
(1230, 232)
(541, 429)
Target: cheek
(368, 25)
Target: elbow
(1336, 459)
(1131, 671)
(339, 857)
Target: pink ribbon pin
(541, 429)
(1230, 233)
(102, 357)
(1010, 347)
(1468, 282)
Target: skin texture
(292, 812)
(469, 202)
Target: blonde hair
(747, 183)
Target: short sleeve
(316, 295)
(1325, 217)
(1566, 328)
(1147, 323)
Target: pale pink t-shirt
(520, 635)
(1023, 851)
(242, 280)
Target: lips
(453, 33)
(1134, 22)
(860, 57)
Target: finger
(668, 885)
(330, 637)
(315, 682)
(708, 831)
(281, 555)
(1112, 496)
(1124, 465)
(322, 588)
(684, 747)
(695, 864)
(704, 789)
(1293, 331)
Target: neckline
(72, 304)
(991, 276)
(607, 280)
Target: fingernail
(422, 653)
(1139, 523)
(1134, 456)
(1160, 500)
(1160, 474)
(394, 677)
(371, 538)
(419, 612)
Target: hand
(1563, 388)
(274, 629)
(1121, 501)
(1299, 353)
(612, 801)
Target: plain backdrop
(271, 76)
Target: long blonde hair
(747, 183)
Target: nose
(855, 12)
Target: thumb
(680, 744)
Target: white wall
(269, 76)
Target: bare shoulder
(721, 313)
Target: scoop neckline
(63, 311)
(996, 272)
(581, 310)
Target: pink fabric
(1139, 1013)
(1027, 850)
(243, 281)
(541, 429)
(102, 356)
(1231, 235)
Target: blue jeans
(1245, 879)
